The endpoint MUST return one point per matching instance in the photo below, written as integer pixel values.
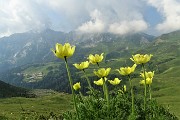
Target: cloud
(118, 17)
(66, 15)
(95, 25)
(20, 16)
(125, 27)
(170, 11)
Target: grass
(18, 107)
(165, 86)
(165, 89)
(168, 94)
(171, 102)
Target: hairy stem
(106, 92)
(71, 85)
(132, 94)
(88, 81)
(145, 88)
(150, 96)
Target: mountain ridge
(116, 49)
(30, 47)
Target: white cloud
(118, 17)
(170, 10)
(125, 27)
(94, 25)
(66, 15)
(20, 16)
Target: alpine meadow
(111, 51)
(89, 60)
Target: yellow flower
(147, 74)
(82, 65)
(102, 72)
(139, 59)
(148, 81)
(100, 81)
(124, 88)
(116, 81)
(126, 70)
(94, 59)
(63, 51)
(77, 86)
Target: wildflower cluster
(107, 106)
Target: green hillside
(7, 90)
(46, 103)
(166, 61)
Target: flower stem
(145, 88)
(81, 96)
(106, 92)
(132, 94)
(150, 96)
(71, 85)
(88, 81)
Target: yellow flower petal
(94, 59)
(141, 59)
(127, 70)
(82, 65)
(57, 54)
(148, 81)
(124, 88)
(102, 72)
(116, 81)
(148, 74)
(99, 82)
(63, 51)
(77, 86)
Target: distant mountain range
(24, 56)
(30, 47)
(22, 48)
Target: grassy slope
(167, 58)
(31, 107)
(7, 90)
(166, 62)
(169, 89)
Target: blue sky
(90, 16)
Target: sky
(121, 17)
